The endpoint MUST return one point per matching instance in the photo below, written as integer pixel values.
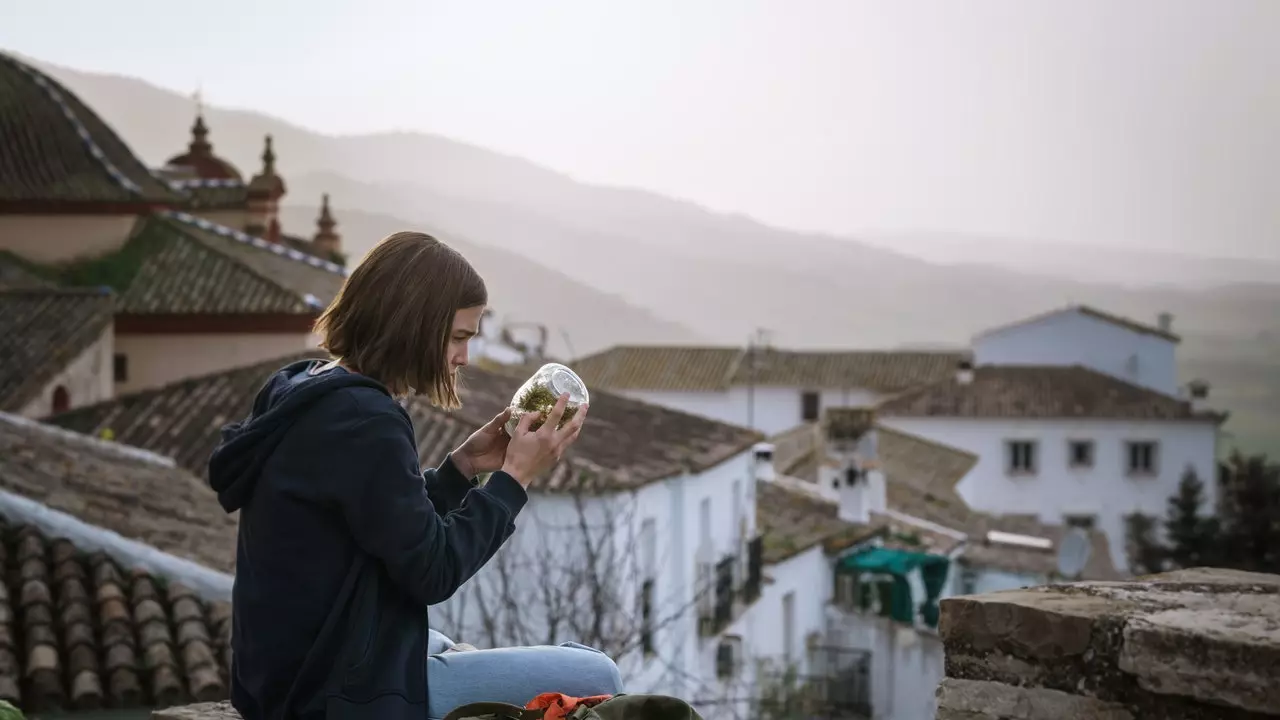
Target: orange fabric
(558, 705)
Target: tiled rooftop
(1038, 392)
(182, 420)
(635, 367)
(41, 331)
(920, 483)
(172, 266)
(137, 495)
(78, 631)
(54, 148)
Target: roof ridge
(305, 298)
(124, 451)
(257, 242)
(53, 90)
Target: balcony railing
(836, 684)
(726, 588)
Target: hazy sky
(1152, 123)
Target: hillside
(719, 276)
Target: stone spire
(327, 241)
(265, 190)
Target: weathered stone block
(1191, 644)
(978, 700)
(199, 711)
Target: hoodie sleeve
(446, 486)
(429, 554)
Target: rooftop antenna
(1073, 552)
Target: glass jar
(541, 391)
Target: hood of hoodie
(237, 462)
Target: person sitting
(344, 541)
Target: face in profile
(466, 325)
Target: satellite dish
(1073, 552)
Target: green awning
(896, 599)
(893, 562)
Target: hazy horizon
(1143, 126)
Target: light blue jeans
(513, 675)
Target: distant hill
(695, 272)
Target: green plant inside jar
(542, 400)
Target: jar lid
(564, 380)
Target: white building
(56, 349)
(767, 389)
(867, 520)
(1064, 444)
(1139, 354)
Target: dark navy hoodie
(343, 543)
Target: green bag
(618, 707)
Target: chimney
(1165, 322)
(859, 483)
(964, 372)
(1198, 391)
(762, 461)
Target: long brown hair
(393, 318)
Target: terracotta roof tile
(54, 148)
(40, 332)
(80, 632)
(718, 368)
(1041, 392)
(173, 264)
(17, 274)
(136, 495)
(182, 420)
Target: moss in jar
(541, 400)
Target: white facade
(1074, 337)
(86, 380)
(769, 410)
(1055, 490)
(537, 589)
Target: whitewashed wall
(1072, 338)
(656, 531)
(1104, 490)
(770, 410)
(88, 378)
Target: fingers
(569, 433)
(526, 420)
(557, 412)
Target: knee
(599, 668)
(602, 670)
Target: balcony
(835, 683)
(725, 590)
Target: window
(1021, 457)
(728, 653)
(1141, 458)
(788, 625)
(704, 522)
(646, 618)
(648, 548)
(61, 400)
(120, 367)
(810, 406)
(1080, 453)
(1084, 522)
(968, 583)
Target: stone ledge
(1190, 644)
(199, 711)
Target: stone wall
(1200, 644)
